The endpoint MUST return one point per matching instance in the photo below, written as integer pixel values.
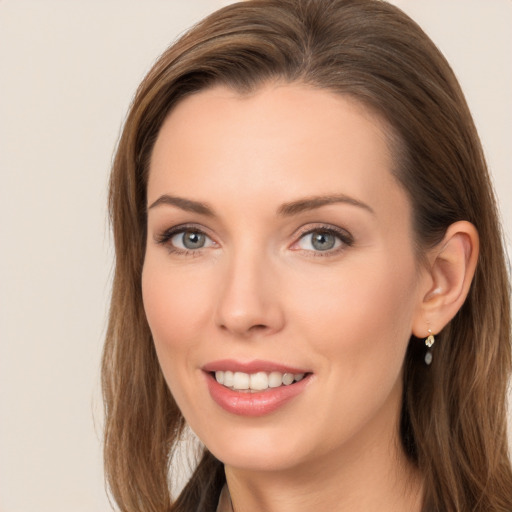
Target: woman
(309, 272)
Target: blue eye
(323, 240)
(182, 240)
(319, 241)
(189, 240)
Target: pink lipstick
(254, 388)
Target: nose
(249, 302)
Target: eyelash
(342, 235)
(165, 239)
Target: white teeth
(275, 379)
(241, 380)
(288, 379)
(228, 379)
(259, 381)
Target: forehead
(277, 141)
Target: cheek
(177, 310)
(358, 327)
(362, 315)
(175, 303)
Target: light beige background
(68, 70)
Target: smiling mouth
(256, 382)
(254, 388)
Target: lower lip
(254, 404)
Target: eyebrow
(311, 203)
(184, 204)
(286, 209)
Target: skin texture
(258, 289)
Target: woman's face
(280, 249)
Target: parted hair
(453, 419)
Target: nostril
(258, 327)
(252, 330)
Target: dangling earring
(429, 342)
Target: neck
(379, 489)
(371, 472)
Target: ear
(448, 275)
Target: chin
(263, 459)
(257, 448)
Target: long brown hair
(453, 423)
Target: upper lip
(253, 366)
